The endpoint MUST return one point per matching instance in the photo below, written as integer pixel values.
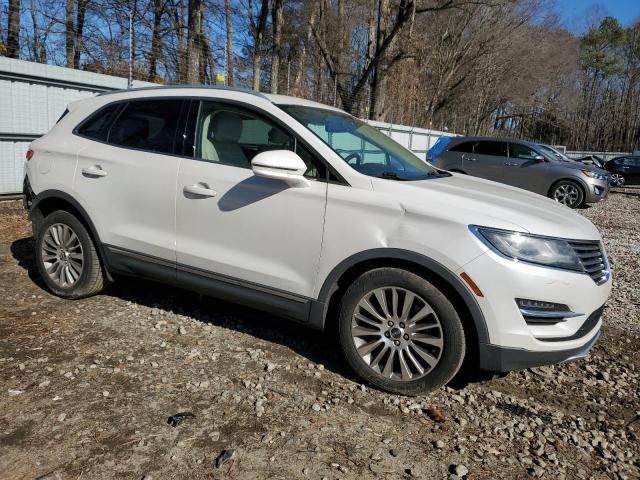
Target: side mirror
(282, 165)
(539, 158)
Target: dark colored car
(522, 164)
(624, 170)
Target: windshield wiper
(395, 176)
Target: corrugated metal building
(32, 98)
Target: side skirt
(277, 302)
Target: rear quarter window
(97, 125)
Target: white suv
(304, 211)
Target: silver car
(522, 164)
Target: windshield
(554, 153)
(361, 146)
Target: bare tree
(276, 22)
(13, 29)
(194, 46)
(229, 49)
(258, 25)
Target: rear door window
(147, 125)
(465, 147)
(496, 149)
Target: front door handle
(200, 190)
(94, 171)
(511, 164)
(468, 159)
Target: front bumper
(494, 358)
(596, 190)
(515, 342)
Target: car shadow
(317, 348)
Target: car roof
(163, 90)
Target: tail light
(29, 154)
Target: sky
(577, 14)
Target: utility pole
(130, 46)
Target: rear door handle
(511, 164)
(200, 190)
(94, 171)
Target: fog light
(537, 312)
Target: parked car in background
(624, 170)
(522, 164)
(594, 160)
(301, 210)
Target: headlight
(551, 252)
(596, 175)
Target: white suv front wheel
(399, 332)
(67, 258)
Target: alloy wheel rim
(397, 334)
(62, 255)
(567, 194)
(617, 179)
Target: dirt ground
(86, 388)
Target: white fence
(32, 98)
(603, 155)
(418, 140)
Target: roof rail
(179, 86)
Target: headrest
(225, 127)
(278, 137)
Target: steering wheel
(353, 155)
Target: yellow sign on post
(220, 78)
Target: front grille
(593, 260)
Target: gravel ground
(87, 387)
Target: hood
(475, 201)
(576, 165)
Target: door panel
(126, 174)
(487, 161)
(255, 229)
(631, 169)
(523, 170)
(243, 227)
(132, 203)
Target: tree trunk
(13, 29)
(77, 43)
(258, 35)
(377, 97)
(227, 12)
(69, 32)
(194, 49)
(182, 66)
(302, 54)
(156, 40)
(276, 21)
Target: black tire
(91, 279)
(560, 193)
(452, 333)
